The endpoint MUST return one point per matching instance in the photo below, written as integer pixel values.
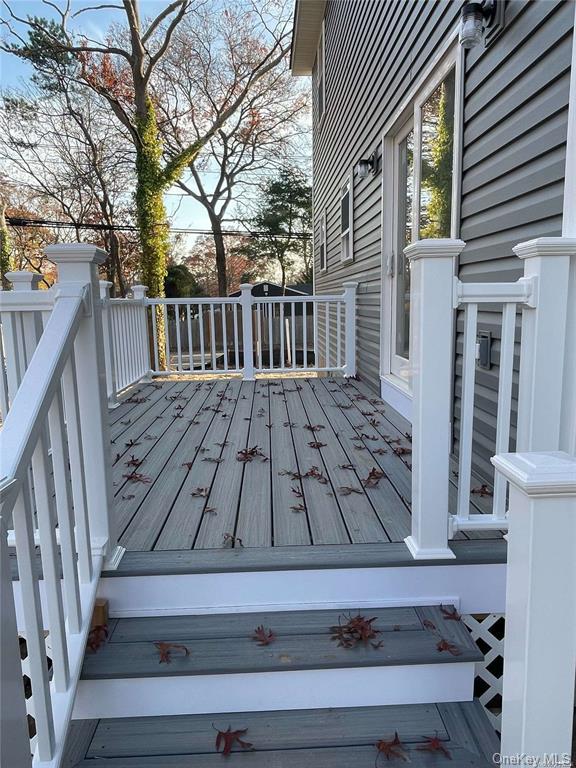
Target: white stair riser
(263, 691)
(472, 588)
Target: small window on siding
(346, 216)
(320, 76)
(322, 246)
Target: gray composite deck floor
(277, 462)
(322, 738)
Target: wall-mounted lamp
(367, 165)
(480, 20)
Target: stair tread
(224, 644)
(323, 738)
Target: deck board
(322, 738)
(198, 467)
(265, 504)
(320, 501)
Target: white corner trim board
(477, 589)
(262, 691)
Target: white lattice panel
(487, 631)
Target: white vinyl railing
(54, 499)
(249, 334)
(126, 345)
(471, 297)
(536, 305)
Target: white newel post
(432, 265)
(247, 332)
(78, 263)
(109, 357)
(540, 645)
(350, 328)
(139, 294)
(14, 740)
(543, 351)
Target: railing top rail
(26, 301)
(23, 423)
(194, 300)
(298, 299)
(217, 300)
(523, 291)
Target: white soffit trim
(308, 17)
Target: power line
(18, 221)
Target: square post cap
(75, 253)
(444, 247)
(24, 280)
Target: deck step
(322, 738)
(224, 643)
(420, 654)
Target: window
(423, 166)
(320, 76)
(322, 248)
(346, 218)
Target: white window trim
(349, 180)
(449, 56)
(323, 242)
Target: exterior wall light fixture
(480, 20)
(367, 165)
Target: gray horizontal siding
(515, 117)
(514, 134)
(374, 52)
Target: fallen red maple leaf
(357, 630)
(97, 635)
(263, 636)
(444, 645)
(390, 749)
(374, 477)
(434, 744)
(165, 651)
(316, 444)
(450, 613)
(482, 490)
(227, 739)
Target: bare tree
(63, 147)
(121, 72)
(197, 76)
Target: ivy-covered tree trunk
(151, 212)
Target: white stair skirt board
(473, 588)
(263, 691)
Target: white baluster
(14, 741)
(467, 410)
(139, 293)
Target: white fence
(250, 334)
(54, 496)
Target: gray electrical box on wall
(484, 350)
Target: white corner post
(432, 266)
(247, 331)
(350, 328)
(544, 334)
(78, 264)
(109, 356)
(14, 740)
(540, 647)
